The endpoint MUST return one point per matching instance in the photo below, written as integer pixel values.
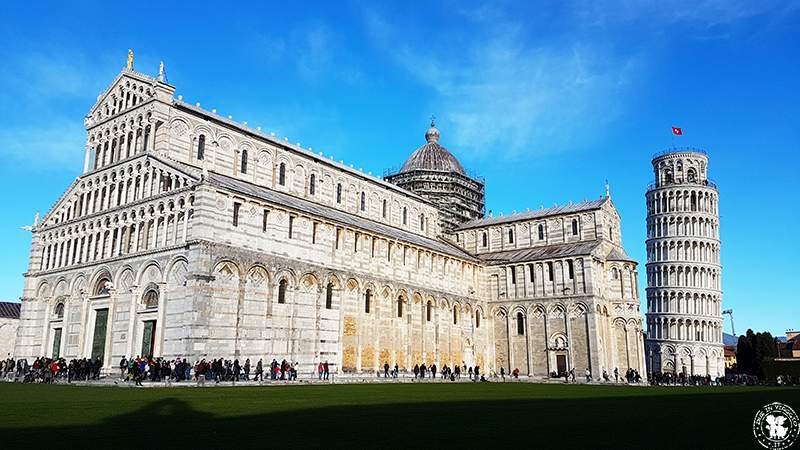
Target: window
(338, 237)
(244, 161)
(513, 275)
(485, 239)
(291, 226)
(405, 215)
(400, 307)
(455, 315)
(520, 324)
(541, 232)
(329, 296)
(477, 319)
(574, 227)
(550, 271)
(571, 269)
(530, 271)
(282, 291)
(367, 300)
(428, 309)
(312, 184)
(314, 233)
(282, 174)
(201, 147)
(150, 299)
(510, 236)
(236, 206)
(264, 221)
(59, 311)
(355, 242)
(339, 193)
(422, 222)
(383, 209)
(363, 201)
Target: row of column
(161, 231)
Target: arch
(520, 323)
(150, 297)
(58, 310)
(150, 271)
(102, 282)
(329, 295)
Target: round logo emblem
(776, 426)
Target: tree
(752, 350)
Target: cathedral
(191, 235)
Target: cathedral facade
(190, 235)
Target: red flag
(677, 131)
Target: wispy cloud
(500, 93)
(55, 87)
(313, 49)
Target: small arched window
(201, 146)
(102, 287)
(282, 290)
(244, 161)
(571, 269)
(422, 222)
(405, 215)
(312, 184)
(339, 193)
(383, 209)
(485, 239)
(520, 324)
(329, 296)
(400, 307)
(541, 232)
(367, 300)
(510, 235)
(550, 271)
(455, 315)
(282, 174)
(363, 201)
(574, 227)
(59, 310)
(428, 309)
(477, 319)
(150, 299)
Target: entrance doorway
(148, 338)
(56, 343)
(99, 339)
(561, 363)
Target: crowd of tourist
(139, 369)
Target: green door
(99, 340)
(148, 337)
(56, 343)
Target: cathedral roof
(618, 254)
(543, 252)
(9, 310)
(432, 156)
(544, 212)
(335, 215)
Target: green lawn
(384, 415)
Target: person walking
(259, 371)
(320, 370)
(588, 375)
(386, 370)
(327, 370)
(503, 373)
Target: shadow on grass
(721, 420)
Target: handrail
(708, 183)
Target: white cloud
(314, 50)
(501, 94)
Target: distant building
(730, 356)
(792, 345)
(9, 322)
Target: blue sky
(546, 100)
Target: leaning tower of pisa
(684, 296)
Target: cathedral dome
(432, 156)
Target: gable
(128, 90)
(110, 178)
